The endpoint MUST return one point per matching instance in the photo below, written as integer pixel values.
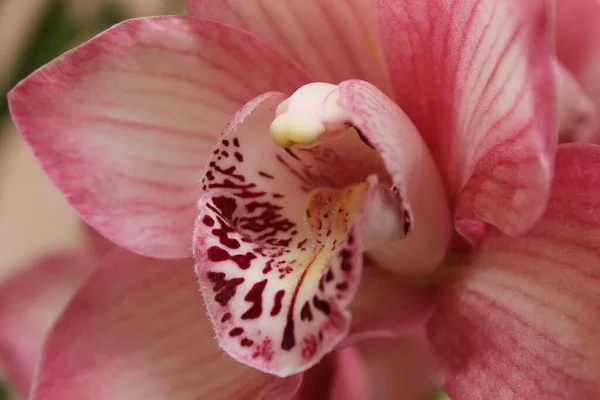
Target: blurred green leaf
(52, 36)
(56, 33)
(3, 392)
(441, 395)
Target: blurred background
(34, 219)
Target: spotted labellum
(281, 231)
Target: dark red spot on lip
(222, 234)
(342, 286)
(322, 305)
(300, 244)
(255, 296)
(238, 156)
(265, 175)
(277, 303)
(225, 142)
(329, 276)
(309, 346)
(246, 342)
(243, 260)
(306, 313)
(225, 288)
(208, 221)
(268, 267)
(265, 218)
(245, 190)
(217, 254)
(226, 317)
(236, 142)
(236, 332)
(291, 153)
(227, 171)
(264, 350)
(289, 340)
(225, 207)
(346, 263)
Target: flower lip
(281, 231)
(278, 239)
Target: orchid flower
(372, 142)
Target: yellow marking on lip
(330, 216)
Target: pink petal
(340, 375)
(334, 40)
(137, 330)
(317, 381)
(97, 244)
(277, 273)
(350, 380)
(386, 306)
(520, 319)
(124, 123)
(30, 301)
(414, 174)
(577, 115)
(476, 78)
(578, 44)
(401, 368)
